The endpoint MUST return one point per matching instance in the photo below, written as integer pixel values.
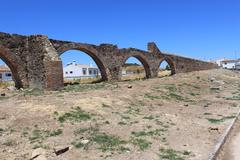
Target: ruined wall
(96, 52)
(183, 64)
(32, 61)
(44, 65)
(35, 60)
(13, 50)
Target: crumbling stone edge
(219, 146)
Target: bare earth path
(179, 117)
(235, 147)
(231, 150)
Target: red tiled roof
(4, 68)
(233, 60)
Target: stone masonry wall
(35, 60)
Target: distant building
(129, 69)
(5, 74)
(229, 64)
(219, 62)
(237, 66)
(78, 71)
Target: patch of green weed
(156, 132)
(75, 115)
(105, 105)
(122, 123)
(152, 97)
(39, 136)
(149, 117)
(82, 87)
(9, 143)
(107, 142)
(33, 92)
(142, 144)
(170, 154)
(207, 113)
(213, 120)
(1, 131)
(171, 87)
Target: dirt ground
(230, 150)
(178, 117)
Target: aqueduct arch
(89, 50)
(143, 62)
(96, 60)
(170, 63)
(35, 60)
(13, 63)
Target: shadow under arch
(143, 62)
(95, 58)
(12, 63)
(170, 63)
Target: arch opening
(80, 67)
(8, 75)
(166, 68)
(134, 68)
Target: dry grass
(158, 118)
(133, 77)
(82, 81)
(164, 73)
(6, 84)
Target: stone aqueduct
(35, 60)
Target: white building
(237, 66)
(132, 69)
(219, 61)
(229, 64)
(78, 71)
(5, 74)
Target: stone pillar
(54, 75)
(154, 61)
(44, 65)
(154, 71)
(111, 58)
(152, 47)
(114, 73)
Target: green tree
(168, 67)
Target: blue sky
(203, 29)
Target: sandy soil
(179, 117)
(231, 147)
(235, 148)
